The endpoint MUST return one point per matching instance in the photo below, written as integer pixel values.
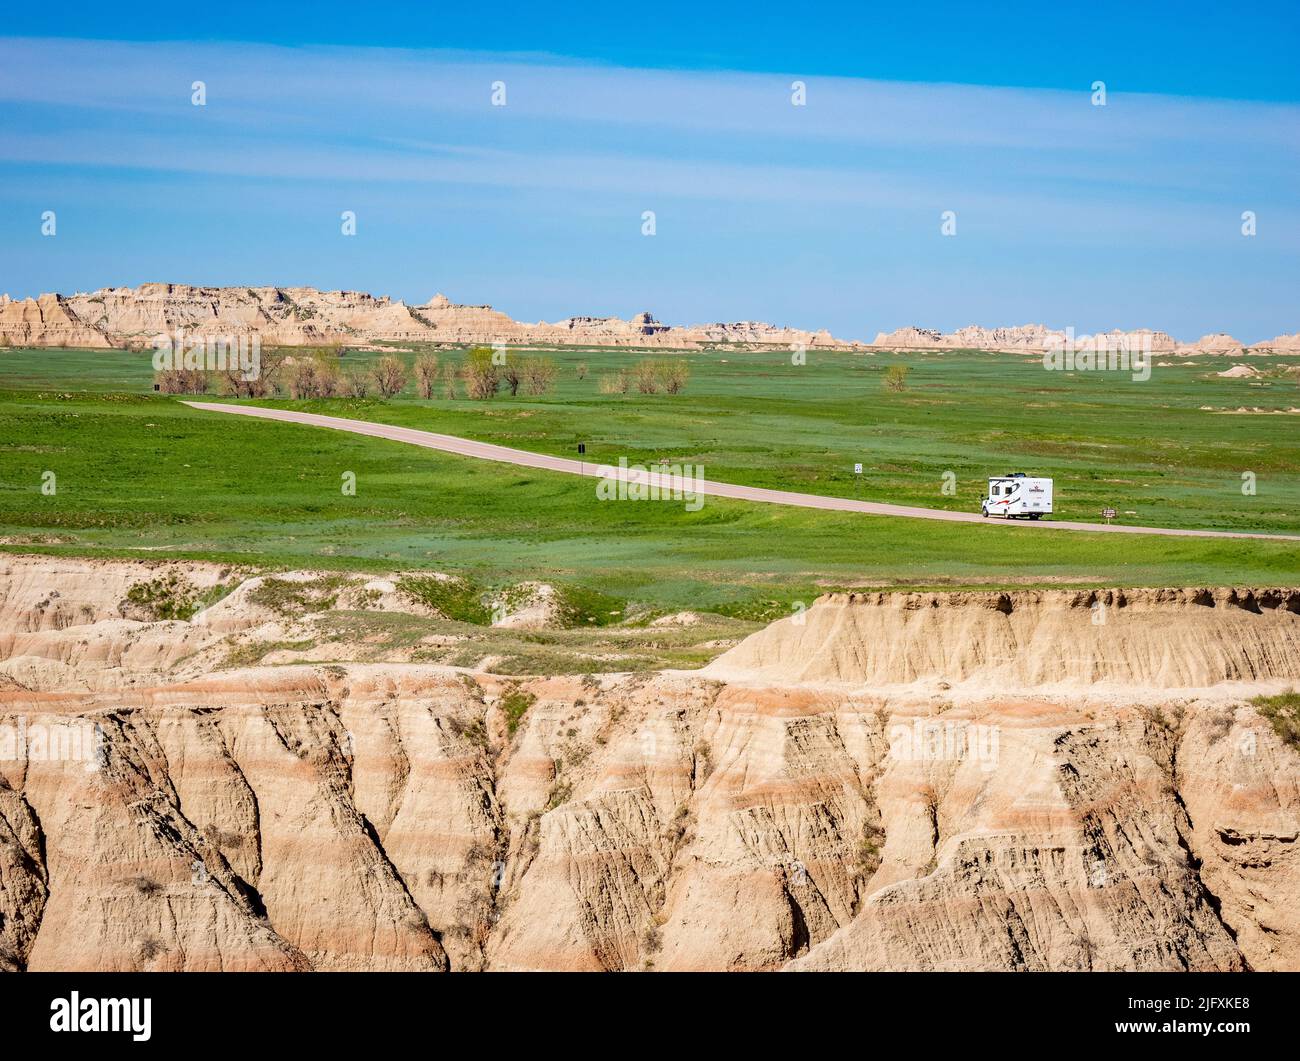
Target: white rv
(1018, 496)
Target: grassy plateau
(139, 474)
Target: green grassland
(142, 475)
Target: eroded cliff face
(1158, 639)
(1038, 339)
(352, 815)
(304, 316)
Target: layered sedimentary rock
(303, 316)
(1025, 338)
(1038, 339)
(352, 815)
(1282, 344)
(1156, 639)
(47, 321)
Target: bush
(896, 377)
(580, 606)
(449, 381)
(285, 597)
(580, 370)
(356, 384)
(389, 375)
(514, 705)
(458, 599)
(1283, 711)
(182, 381)
(268, 380)
(168, 597)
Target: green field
(142, 475)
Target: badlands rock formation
(957, 789)
(46, 321)
(1158, 639)
(303, 316)
(1038, 338)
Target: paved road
(487, 451)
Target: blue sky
(825, 215)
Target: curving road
(488, 451)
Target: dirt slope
(1155, 639)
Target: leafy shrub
(1283, 712)
(514, 705)
(289, 598)
(168, 597)
(459, 599)
(580, 606)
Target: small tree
(182, 381)
(581, 369)
(426, 375)
(449, 381)
(389, 375)
(896, 377)
(673, 375)
(512, 374)
(539, 375)
(480, 373)
(302, 378)
(356, 384)
(266, 380)
(329, 379)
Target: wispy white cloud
(1020, 166)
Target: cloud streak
(1019, 166)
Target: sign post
(1108, 513)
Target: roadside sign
(582, 447)
(857, 469)
(1108, 514)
